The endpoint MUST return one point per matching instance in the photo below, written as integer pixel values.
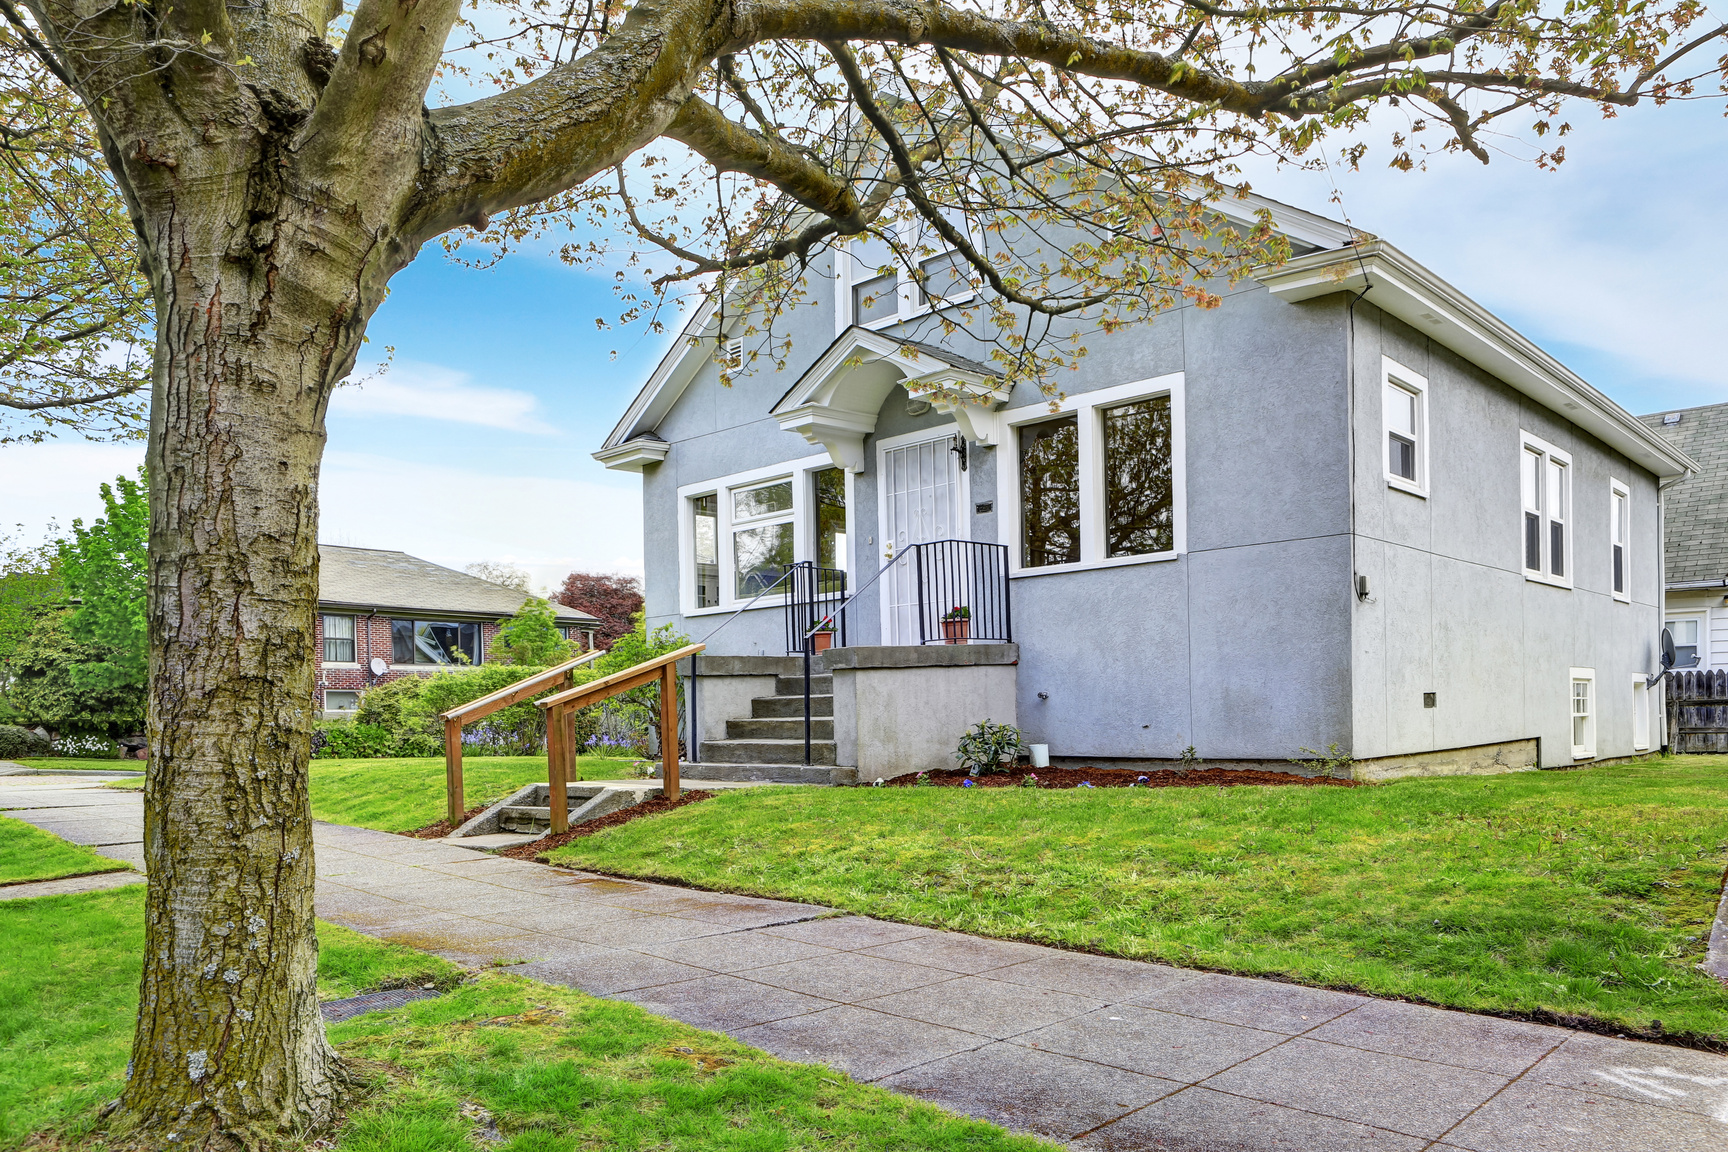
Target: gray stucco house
(1348, 507)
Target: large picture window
(1097, 483)
(434, 642)
(1050, 492)
(338, 639)
(1545, 480)
(1139, 512)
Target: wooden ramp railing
(561, 736)
(558, 676)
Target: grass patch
(1572, 894)
(552, 1069)
(398, 795)
(28, 853)
(75, 764)
(555, 1069)
(69, 968)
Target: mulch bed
(443, 828)
(1122, 778)
(538, 848)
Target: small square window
(347, 702)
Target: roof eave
(1401, 287)
(669, 378)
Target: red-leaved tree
(611, 597)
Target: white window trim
(327, 711)
(1617, 488)
(1087, 404)
(1393, 373)
(1641, 694)
(1702, 617)
(354, 640)
(908, 234)
(803, 535)
(1545, 575)
(1583, 751)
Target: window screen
(1402, 413)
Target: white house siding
(1450, 609)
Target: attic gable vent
(733, 354)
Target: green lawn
(554, 1069)
(69, 997)
(73, 764)
(400, 795)
(28, 853)
(1584, 893)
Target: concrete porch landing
(1096, 1053)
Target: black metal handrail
(962, 593)
(813, 601)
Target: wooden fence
(1698, 711)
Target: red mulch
(1122, 778)
(443, 828)
(538, 848)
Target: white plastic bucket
(1040, 755)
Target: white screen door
(921, 502)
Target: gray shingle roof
(398, 582)
(1696, 520)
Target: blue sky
(474, 445)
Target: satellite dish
(1668, 654)
(379, 667)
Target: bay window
(1546, 483)
(1099, 483)
(739, 534)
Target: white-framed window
(1583, 713)
(1404, 414)
(1545, 479)
(1619, 540)
(343, 703)
(1099, 482)
(738, 534)
(338, 639)
(1690, 639)
(875, 286)
(1640, 713)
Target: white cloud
(454, 516)
(431, 392)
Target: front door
(922, 500)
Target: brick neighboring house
(1695, 537)
(383, 615)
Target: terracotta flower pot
(823, 641)
(956, 631)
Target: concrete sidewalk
(1098, 1053)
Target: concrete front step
(794, 685)
(766, 751)
(768, 773)
(787, 728)
(528, 810)
(778, 707)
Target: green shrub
(988, 747)
(16, 742)
(350, 740)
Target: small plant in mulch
(988, 747)
(1030, 780)
(923, 781)
(1332, 762)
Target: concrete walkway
(1097, 1053)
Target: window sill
(1551, 581)
(339, 664)
(1094, 565)
(1407, 486)
(1621, 598)
(765, 602)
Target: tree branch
(731, 147)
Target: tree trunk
(262, 296)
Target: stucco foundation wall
(1450, 610)
(1483, 760)
(900, 710)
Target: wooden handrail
(637, 674)
(561, 707)
(485, 706)
(518, 692)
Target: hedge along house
(384, 615)
(1347, 507)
